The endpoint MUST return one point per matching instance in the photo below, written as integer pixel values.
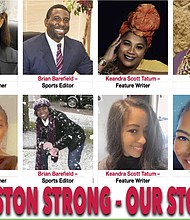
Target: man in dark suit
(54, 53)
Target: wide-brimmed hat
(41, 102)
(3, 6)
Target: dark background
(111, 15)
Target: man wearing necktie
(53, 52)
(59, 59)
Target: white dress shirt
(53, 46)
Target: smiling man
(54, 53)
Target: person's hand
(47, 146)
(54, 152)
(110, 55)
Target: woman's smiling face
(131, 51)
(43, 112)
(134, 132)
(182, 140)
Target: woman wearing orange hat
(126, 54)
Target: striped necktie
(59, 59)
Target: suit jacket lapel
(67, 55)
(47, 55)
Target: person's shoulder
(9, 161)
(111, 68)
(153, 65)
(8, 54)
(102, 165)
(154, 62)
(13, 54)
(35, 39)
(180, 55)
(178, 58)
(72, 41)
(57, 113)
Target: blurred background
(12, 9)
(181, 26)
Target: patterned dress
(153, 66)
(182, 63)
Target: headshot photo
(136, 41)
(181, 35)
(9, 38)
(8, 133)
(57, 132)
(181, 132)
(132, 132)
(57, 38)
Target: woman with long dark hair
(134, 137)
(8, 56)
